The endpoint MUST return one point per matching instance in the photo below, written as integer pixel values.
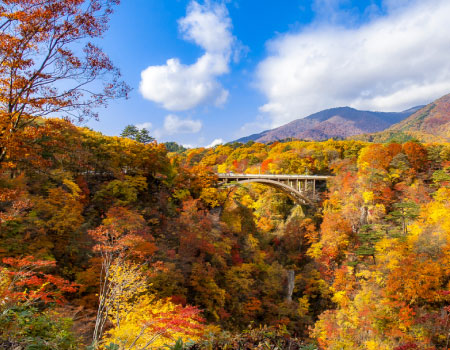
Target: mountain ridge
(429, 124)
(338, 122)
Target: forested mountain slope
(337, 123)
(429, 124)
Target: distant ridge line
(338, 123)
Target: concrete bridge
(303, 189)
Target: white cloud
(208, 26)
(261, 123)
(216, 142)
(146, 125)
(392, 63)
(179, 87)
(175, 125)
(329, 11)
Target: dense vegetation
(122, 243)
(371, 262)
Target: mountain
(341, 122)
(429, 124)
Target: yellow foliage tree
(141, 321)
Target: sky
(204, 72)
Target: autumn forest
(125, 243)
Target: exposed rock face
(290, 284)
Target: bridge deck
(272, 176)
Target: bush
(254, 338)
(29, 329)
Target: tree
(44, 71)
(139, 135)
(60, 215)
(367, 237)
(140, 321)
(27, 291)
(174, 147)
(403, 213)
(120, 236)
(417, 155)
(25, 282)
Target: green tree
(139, 135)
(174, 147)
(404, 213)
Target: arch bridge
(303, 189)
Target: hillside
(127, 243)
(340, 122)
(74, 202)
(429, 124)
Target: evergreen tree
(139, 135)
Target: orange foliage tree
(25, 281)
(41, 73)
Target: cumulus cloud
(146, 125)
(175, 125)
(177, 86)
(208, 26)
(396, 61)
(216, 142)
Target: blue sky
(212, 71)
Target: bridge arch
(297, 196)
